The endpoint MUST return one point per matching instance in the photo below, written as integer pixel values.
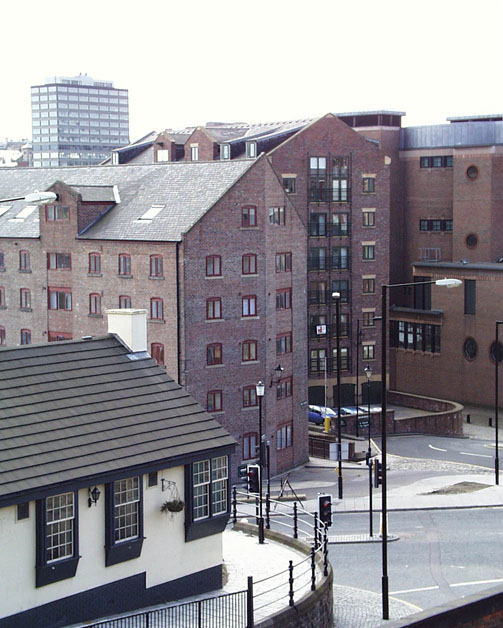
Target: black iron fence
(224, 611)
(238, 610)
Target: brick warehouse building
(220, 316)
(340, 183)
(444, 206)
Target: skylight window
(152, 212)
(4, 209)
(27, 211)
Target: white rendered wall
(165, 555)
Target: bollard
(468, 419)
(234, 505)
(295, 521)
(490, 421)
(290, 582)
(313, 568)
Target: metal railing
(294, 580)
(224, 611)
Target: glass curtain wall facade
(77, 121)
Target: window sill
(213, 276)
(160, 321)
(2, 270)
(95, 315)
(250, 318)
(95, 274)
(24, 270)
(125, 276)
(214, 320)
(3, 307)
(214, 366)
(249, 274)
(247, 408)
(213, 412)
(54, 572)
(206, 527)
(243, 362)
(159, 278)
(25, 309)
(120, 552)
(248, 228)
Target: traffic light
(253, 478)
(325, 509)
(377, 473)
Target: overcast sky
(187, 62)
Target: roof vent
(499, 260)
(463, 261)
(87, 337)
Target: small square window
(368, 185)
(289, 185)
(249, 216)
(369, 219)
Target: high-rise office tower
(77, 121)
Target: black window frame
(56, 570)
(213, 523)
(121, 551)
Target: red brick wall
(332, 136)
(208, 149)
(219, 232)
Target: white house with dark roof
(95, 439)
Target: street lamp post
(260, 389)
(448, 283)
(337, 297)
(37, 198)
(368, 373)
(358, 343)
(496, 404)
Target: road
(440, 555)
(462, 450)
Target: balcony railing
(317, 365)
(321, 230)
(328, 195)
(322, 331)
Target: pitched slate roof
(84, 409)
(187, 190)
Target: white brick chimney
(130, 325)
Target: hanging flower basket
(173, 505)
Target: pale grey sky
(190, 62)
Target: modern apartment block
(198, 245)
(77, 121)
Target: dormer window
(225, 151)
(162, 155)
(251, 149)
(194, 152)
(115, 158)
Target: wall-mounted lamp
(94, 495)
(279, 370)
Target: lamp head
(448, 283)
(368, 371)
(260, 388)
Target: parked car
(352, 410)
(317, 414)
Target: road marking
(466, 584)
(434, 588)
(436, 448)
(458, 584)
(466, 453)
